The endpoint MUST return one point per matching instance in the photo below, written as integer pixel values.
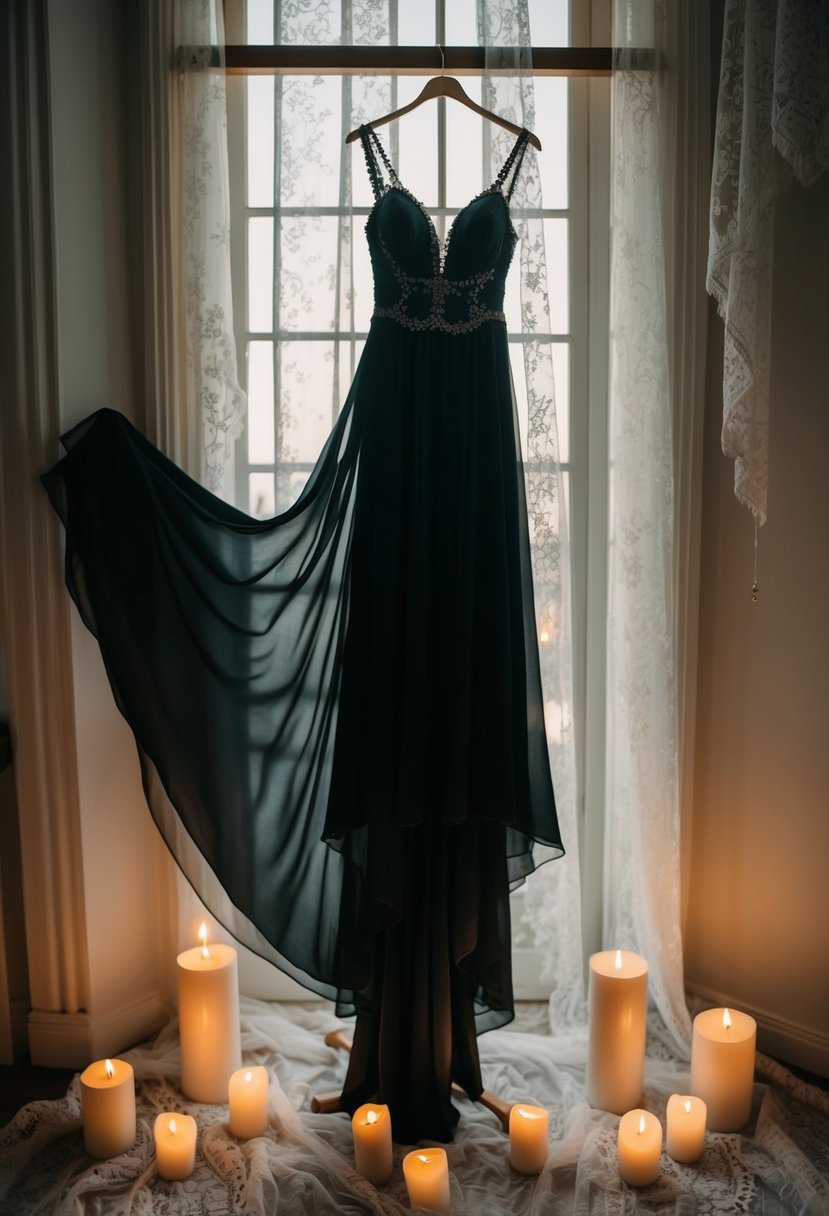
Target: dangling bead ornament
(755, 589)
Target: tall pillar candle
(208, 1011)
(108, 1108)
(722, 1066)
(618, 1004)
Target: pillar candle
(617, 999)
(175, 1145)
(685, 1134)
(208, 1011)
(247, 1096)
(528, 1147)
(722, 1066)
(640, 1143)
(426, 1171)
(108, 1108)
(371, 1128)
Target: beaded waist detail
(434, 321)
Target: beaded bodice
(420, 286)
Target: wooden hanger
(446, 86)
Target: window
(302, 277)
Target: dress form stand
(327, 1104)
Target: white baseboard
(779, 1037)
(73, 1040)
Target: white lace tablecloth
(305, 1163)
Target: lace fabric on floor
(304, 1163)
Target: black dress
(338, 711)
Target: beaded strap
(371, 147)
(513, 162)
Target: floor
(23, 1082)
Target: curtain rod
(407, 60)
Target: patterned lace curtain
(552, 900)
(642, 833)
(772, 127)
(213, 401)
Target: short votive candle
(528, 1146)
(371, 1128)
(108, 1108)
(175, 1145)
(685, 1132)
(247, 1096)
(426, 1171)
(640, 1144)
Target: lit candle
(175, 1145)
(426, 1171)
(247, 1095)
(640, 1143)
(685, 1134)
(528, 1146)
(208, 1011)
(108, 1108)
(618, 1000)
(371, 1128)
(722, 1066)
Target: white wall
(758, 925)
(124, 870)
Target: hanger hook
(442, 59)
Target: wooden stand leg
(330, 1103)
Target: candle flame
(543, 637)
(529, 1114)
(171, 1127)
(641, 1125)
(726, 1019)
(108, 1069)
(687, 1105)
(618, 960)
(371, 1116)
(422, 1157)
(203, 939)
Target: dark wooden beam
(406, 60)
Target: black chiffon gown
(338, 711)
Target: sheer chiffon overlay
(338, 711)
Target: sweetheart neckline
(441, 252)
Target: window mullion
(277, 266)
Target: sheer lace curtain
(552, 902)
(195, 408)
(772, 127)
(642, 837)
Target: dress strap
(512, 165)
(372, 148)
